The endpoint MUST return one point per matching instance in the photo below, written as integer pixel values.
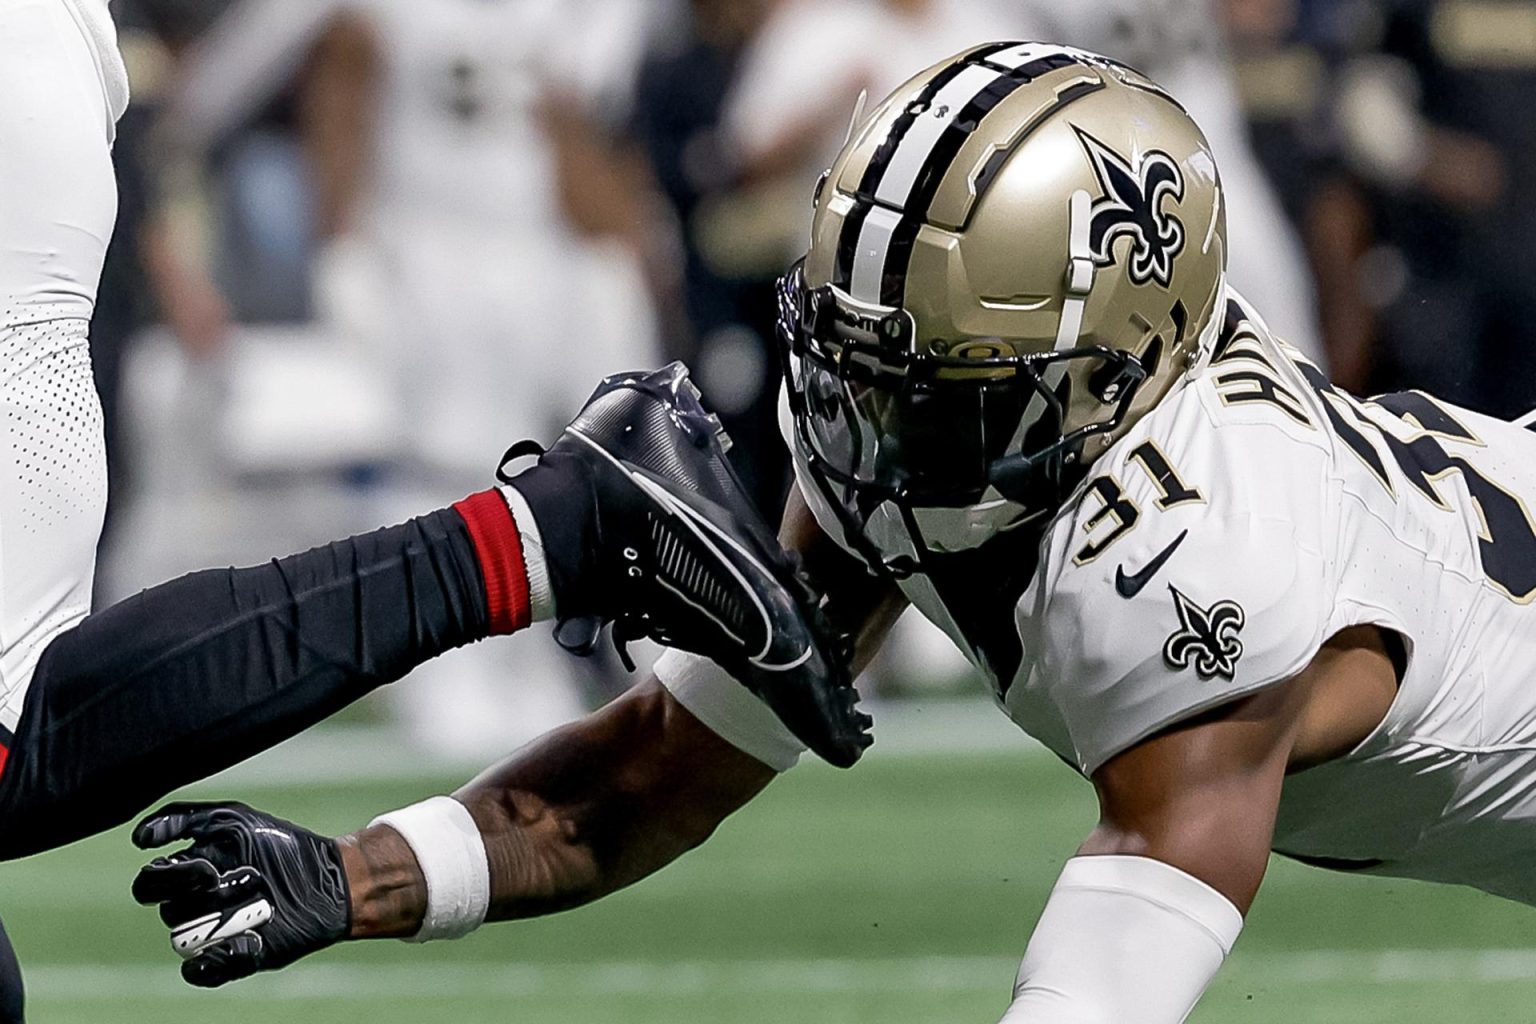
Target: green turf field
(902, 891)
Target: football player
(1258, 613)
(633, 516)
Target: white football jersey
(1254, 514)
(458, 132)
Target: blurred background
(365, 245)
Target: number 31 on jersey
(1119, 514)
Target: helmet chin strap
(1080, 271)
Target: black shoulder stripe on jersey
(1346, 431)
(1243, 346)
(1421, 409)
(1234, 326)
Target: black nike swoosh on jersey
(1130, 586)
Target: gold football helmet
(1012, 259)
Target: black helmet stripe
(951, 111)
(881, 158)
(906, 169)
(848, 244)
(884, 241)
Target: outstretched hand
(252, 893)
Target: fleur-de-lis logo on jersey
(1207, 639)
(1133, 205)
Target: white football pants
(58, 200)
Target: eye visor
(936, 428)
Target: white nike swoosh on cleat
(695, 521)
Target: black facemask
(876, 423)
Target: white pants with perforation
(60, 93)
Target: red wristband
(500, 549)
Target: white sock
(541, 599)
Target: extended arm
(602, 803)
(1145, 914)
(338, 96)
(586, 810)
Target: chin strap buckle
(1081, 270)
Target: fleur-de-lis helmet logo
(1134, 204)
(1207, 639)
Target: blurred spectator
(180, 221)
(248, 86)
(726, 313)
(446, 222)
(1180, 44)
(738, 107)
(446, 206)
(738, 112)
(1406, 120)
(793, 101)
(146, 275)
(384, 175)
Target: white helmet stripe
(907, 167)
(923, 137)
(1020, 54)
(869, 258)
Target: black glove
(252, 893)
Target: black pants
(197, 674)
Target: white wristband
(448, 846)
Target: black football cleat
(669, 546)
